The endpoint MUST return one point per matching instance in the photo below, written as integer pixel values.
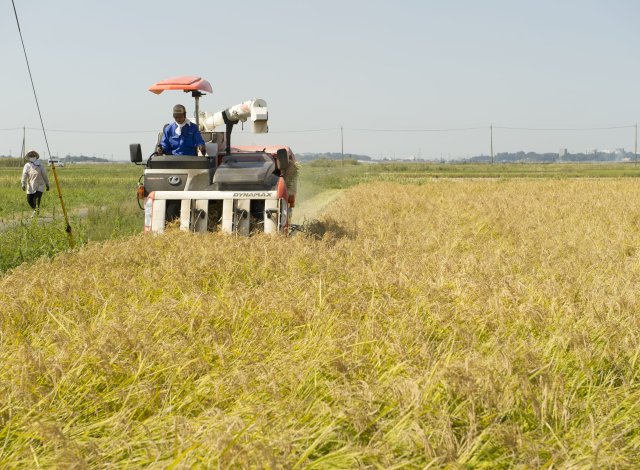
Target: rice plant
(453, 323)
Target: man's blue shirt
(184, 144)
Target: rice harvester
(237, 190)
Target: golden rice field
(459, 323)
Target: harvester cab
(238, 190)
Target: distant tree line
(308, 157)
(9, 162)
(16, 161)
(83, 159)
(533, 157)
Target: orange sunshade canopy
(185, 83)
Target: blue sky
(361, 64)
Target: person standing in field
(181, 137)
(34, 180)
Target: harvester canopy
(184, 83)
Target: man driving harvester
(181, 137)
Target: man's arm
(164, 143)
(200, 142)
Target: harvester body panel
(239, 193)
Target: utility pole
(22, 152)
(491, 133)
(342, 144)
(635, 148)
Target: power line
(328, 129)
(452, 129)
(78, 131)
(562, 128)
(31, 77)
(145, 131)
(306, 130)
(73, 131)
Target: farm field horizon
(101, 203)
(442, 316)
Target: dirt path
(25, 218)
(313, 207)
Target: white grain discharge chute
(256, 110)
(238, 190)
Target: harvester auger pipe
(255, 109)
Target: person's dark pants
(34, 199)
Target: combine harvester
(237, 190)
